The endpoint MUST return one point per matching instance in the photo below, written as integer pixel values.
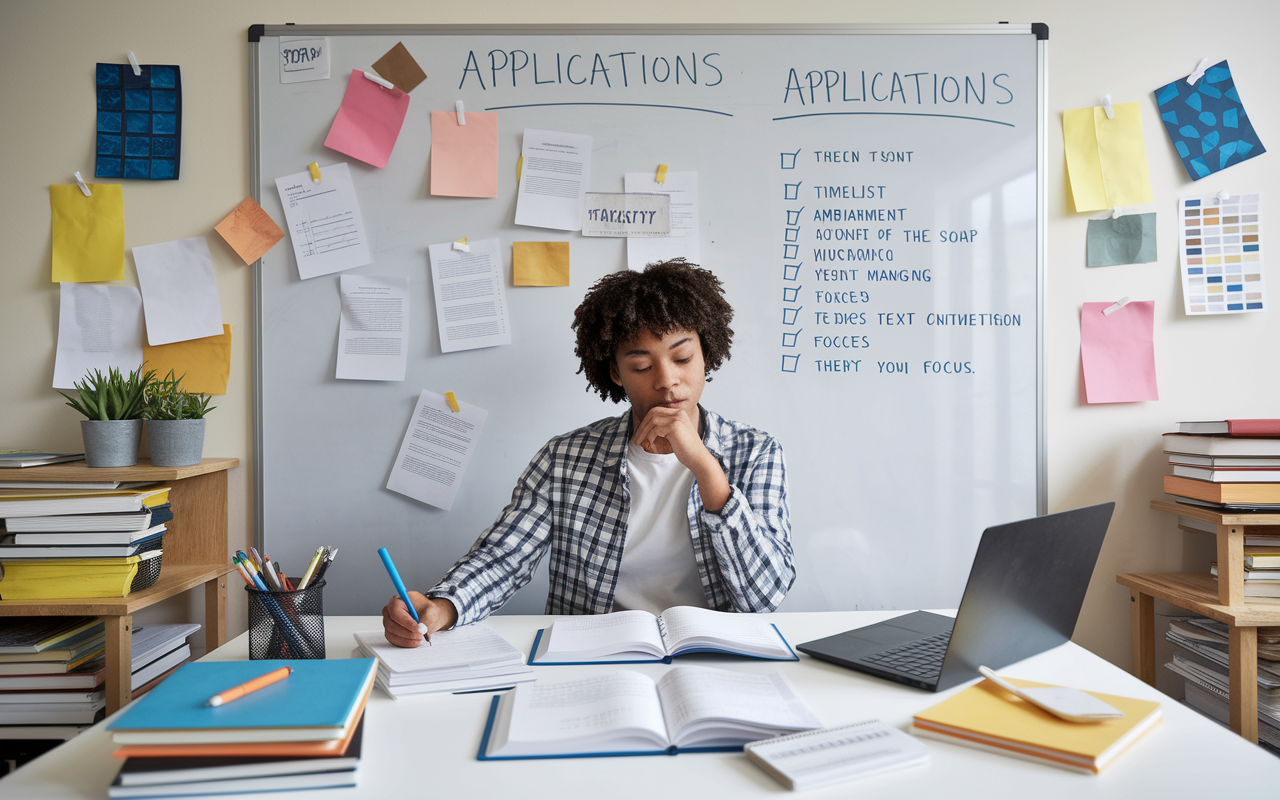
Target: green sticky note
(1130, 239)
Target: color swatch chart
(1222, 261)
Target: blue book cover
(320, 694)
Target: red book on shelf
(1253, 427)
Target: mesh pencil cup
(286, 624)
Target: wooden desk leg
(1243, 646)
(1231, 565)
(1142, 610)
(119, 661)
(215, 614)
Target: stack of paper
(301, 732)
(466, 659)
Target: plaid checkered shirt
(573, 500)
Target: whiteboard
(890, 337)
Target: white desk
(426, 746)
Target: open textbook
(640, 637)
(690, 709)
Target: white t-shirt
(658, 568)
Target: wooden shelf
(195, 554)
(142, 471)
(1198, 592)
(173, 581)
(1216, 517)
(1223, 600)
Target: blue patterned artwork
(139, 122)
(1207, 123)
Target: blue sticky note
(147, 108)
(1207, 122)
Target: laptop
(1023, 597)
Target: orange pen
(236, 692)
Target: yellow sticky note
(88, 233)
(540, 263)
(206, 362)
(1106, 158)
(452, 400)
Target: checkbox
(789, 315)
(792, 191)
(789, 160)
(793, 217)
(793, 234)
(789, 294)
(789, 272)
(791, 251)
(789, 363)
(789, 339)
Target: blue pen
(399, 584)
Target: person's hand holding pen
(436, 613)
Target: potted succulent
(112, 405)
(175, 422)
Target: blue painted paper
(139, 120)
(1207, 122)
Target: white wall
(1209, 368)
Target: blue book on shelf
(319, 700)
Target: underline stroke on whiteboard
(890, 114)
(639, 105)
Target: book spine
(1267, 428)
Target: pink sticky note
(464, 158)
(1118, 353)
(368, 121)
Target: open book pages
(639, 635)
(464, 659)
(813, 758)
(627, 712)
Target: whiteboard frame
(1040, 30)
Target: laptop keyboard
(921, 658)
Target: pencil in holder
(286, 624)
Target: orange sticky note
(539, 263)
(249, 231)
(206, 362)
(464, 158)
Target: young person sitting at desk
(667, 504)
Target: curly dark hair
(667, 296)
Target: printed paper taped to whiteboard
(373, 328)
(471, 299)
(683, 241)
(324, 221)
(304, 58)
(643, 215)
(436, 450)
(555, 176)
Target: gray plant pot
(111, 442)
(175, 442)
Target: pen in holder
(286, 624)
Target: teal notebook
(319, 701)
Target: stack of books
(467, 659)
(301, 732)
(1229, 465)
(51, 676)
(52, 671)
(68, 543)
(1200, 658)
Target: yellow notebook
(989, 718)
(61, 578)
